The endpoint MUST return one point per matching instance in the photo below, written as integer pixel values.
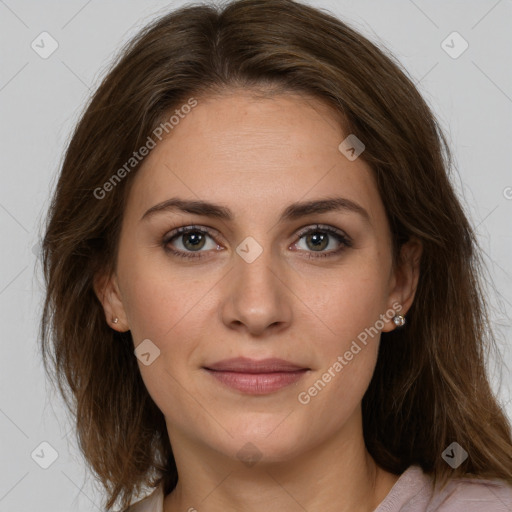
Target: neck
(337, 475)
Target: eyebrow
(292, 212)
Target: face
(259, 279)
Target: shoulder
(413, 492)
(152, 503)
(474, 495)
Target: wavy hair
(430, 386)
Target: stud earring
(115, 320)
(399, 320)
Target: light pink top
(411, 493)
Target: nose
(257, 297)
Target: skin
(256, 156)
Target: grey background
(40, 100)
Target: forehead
(253, 153)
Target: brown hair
(430, 386)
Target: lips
(255, 377)
(246, 365)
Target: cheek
(348, 302)
(158, 296)
(349, 315)
(169, 310)
(348, 351)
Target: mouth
(255, 377)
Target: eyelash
(340, 237)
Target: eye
(193, 239)
(319, 237)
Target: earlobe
(107, 291)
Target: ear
(405, 279)
(107, 291)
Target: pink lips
(256, 377)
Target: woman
(262, 290)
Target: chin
(269, 441)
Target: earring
(115, 320)
(399, 320)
